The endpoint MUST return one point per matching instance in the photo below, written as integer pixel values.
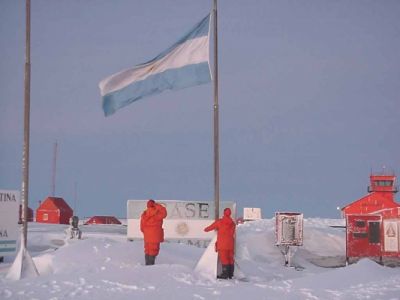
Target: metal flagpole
(25, 154)
(216, 115)
(23, 265)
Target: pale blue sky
(309, 95)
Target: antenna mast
(53, 176)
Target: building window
(360, 235)
(360, 223)
(45, 217)
(384, 183)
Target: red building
(380, 198)
(54, 210)
(102, 220)
(373, 221)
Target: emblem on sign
(390, 232)
(182, 228)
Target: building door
(374, 232)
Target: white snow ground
(104, 265)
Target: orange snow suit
(151, 223)
(225, 244)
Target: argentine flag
(184, 64)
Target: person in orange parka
(151, 223)
(225, 244)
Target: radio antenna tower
(53, 176)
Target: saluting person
(151, 223)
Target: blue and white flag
(184, 64)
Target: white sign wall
(9, 207)
(185, 220)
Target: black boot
(225, 272)
(152, 259)
(147, 259)
(231, 270)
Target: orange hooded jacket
(151, 223)
(225, 231)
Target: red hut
(54, 210)
(103, 220)
(373, 221)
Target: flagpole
(25, 154)
(216, 115)
(23, 265)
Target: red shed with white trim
(103, 220)
(54, 210)
(373, 221)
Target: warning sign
(391, 231)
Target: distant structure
(102, 220)
(380, 198)
(251, 213)
(54, 210)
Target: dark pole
(25, 153)
(53, 175)
(75, 197)
(216, 115)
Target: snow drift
(104, 265)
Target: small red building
(54, 210)
(102, 220)
(373, 221)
